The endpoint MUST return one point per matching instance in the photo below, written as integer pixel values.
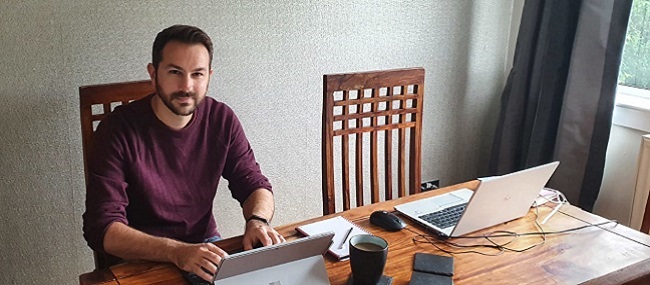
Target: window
(632, 109)
(635, 66)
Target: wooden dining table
(578, 248)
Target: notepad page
(340, 226)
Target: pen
(345, 238)
(552, 213)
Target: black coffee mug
(367, 258)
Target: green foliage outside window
(635, 67)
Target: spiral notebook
(343, 230)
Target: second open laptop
(497, 200)
(294, 262)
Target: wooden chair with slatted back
(371, 110)
(105, 97)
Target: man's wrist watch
(258, 218)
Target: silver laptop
(497, 200)
(294, 262)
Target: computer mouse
(387, 221)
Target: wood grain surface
(609, 254)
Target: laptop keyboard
(445, 218)
(193, 279)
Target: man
(156, 164)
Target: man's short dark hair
(180, 33)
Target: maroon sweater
(161, 181)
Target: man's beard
(168, 101)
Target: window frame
(632, 108)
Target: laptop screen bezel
(255, 259)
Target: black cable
(434, 241)
(501, 248)
(608, 230)
(548, 233)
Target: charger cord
(497, 248)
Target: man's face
(182, 77)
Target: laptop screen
(274, 255)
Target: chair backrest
(375, 104)
(95, 102)
(104, 98)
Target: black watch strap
(256, 217)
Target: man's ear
(152, 73)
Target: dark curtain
(559, 97)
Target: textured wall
(269, 63)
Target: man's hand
(259, 204)
(188, 257)
(200, 259)
(257, 232)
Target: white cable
(557, 198)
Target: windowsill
(632, 108)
